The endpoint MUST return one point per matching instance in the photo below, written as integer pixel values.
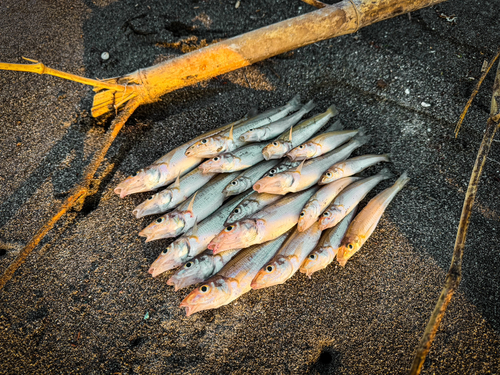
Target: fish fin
(332, 110)
(252, 113)
(402, 180)
(361, 130)
(337, 125)
(386, 173)
(194, 231)
(362, 139)
(295, 102)
(308, 106)
(177, 183)
(190, 207)
(290, 135)
(231, 133)
(299, 168)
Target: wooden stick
(455, 272)
(315, 3)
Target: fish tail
(295, 102)
(252, 113)
(385, 173)
(332, 110)
(402, 180)
(308, 106)
(337, 125)
(362, 138)
(387, 157)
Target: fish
(229, 139)
(174, 194)
(288, 259)
(166, 169)
(309, 172)
(320, 201)
(300, 133)
(349, 198)
(265, 225)
(250, 205)
(274, 129)
(321, 144)
(351, 166)
(237, 160)
(200, 268)
(202, 204)
(365, 223)
(234, 279)
(248, 177)
(195, 240)
(327, 248)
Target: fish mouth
(190, 309)
(342, 261)
(267, 155)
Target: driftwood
(455, 272)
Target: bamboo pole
(455, 272)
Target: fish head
(349, 246)
(275, 183)
(219, 163)
(277, 271)
(276, 150)
(302, 152)
(235, 236)
(308, 215)
(332, 174)
(253, 135)
(154, 204)
(330, 217)
(207, 147)
(168, 225)
(173, 256)
(317, 260)
(241, 211)
(214, 293)
(146, 179)
(238, 185)
(194, 271)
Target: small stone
(424, 104)
(105, 56)
(407, 91)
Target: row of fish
(292, 207)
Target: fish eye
(312, 256)
(204, 288)
(229, 228)
(204, 141)
(251, 130)
(188, 264)
(135, 174)
(269, 268)
(234, 183)
(301, 147)
(237, 211)
(350, 246)
(160, 220)
(270, 175)
(275, 143)
(326, 214)
(302, 214)
(329, 174)
(216, 158)
(150, 198)
(164, 251)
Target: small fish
(288, 259)
(298, 134)
(365, 223)
(320, 201)
(250, 205)
(229, 140)
(234, 279)
(248, 177)
(202, 204)
(325, 252)
(174, 194)
(167, 168)
(194, 241)
(349, 198)
(200, 268)
(309, 172)
(321, 144)
(237, 160)
(274, 129)
(265, 225)
(352, 166)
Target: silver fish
(200, 268)
(237, 160)
(174, 194)
(351, 166)
(321, 200)
(349, 198)
(308, 173)
(234, 279)
(248, 177)
(203, 203)
(250, 205)
(300, 133)
(166, 169)
(194, 241)
(274, 129)
(265, 225)
(325, 252)
(288, 259)
(229, 140)
(321, 144)
(365, 223)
